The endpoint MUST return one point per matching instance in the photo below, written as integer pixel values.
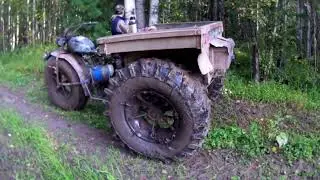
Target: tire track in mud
(55, 124)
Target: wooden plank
(177, 30)
(149, 35)
(153, 44)
(186, 25)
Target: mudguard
(208, 62)
(74, 62)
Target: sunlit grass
(43, 158)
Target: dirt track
(219, 164)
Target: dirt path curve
(55, 124)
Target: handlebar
(75, 28)
(70, 31)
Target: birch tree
(140, 9)
(154, 12)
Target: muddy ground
(217, 164)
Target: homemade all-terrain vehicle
(158, 86)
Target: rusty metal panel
(152, 44)
(219, 58)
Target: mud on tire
(217, 83)
(186, 95)
(72, 98)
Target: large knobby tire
(186, 95)
(65, 97)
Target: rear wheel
(217, 83)
(70, 97)
(158, 110)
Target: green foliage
(302, 146)
(96, 10)
(296, 83)
(20, 67)
(298, 74)
(51, 161)
(259, 140)
(271, 92)
(249, 142)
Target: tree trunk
(299, 11)
(255, 63)
(141, 18)
(318, 37)
(315, 37)
(213, 10)
(2, 26)
(33, 21)
(44, 21)
(17, 30)
(130, 8)
(154, 10)
(9, 30)
(309, 40)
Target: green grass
(21, 67)
(271, 92)
(297, 84)
(261, 138)
(28, 151)
(40, 156)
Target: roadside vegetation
(29, 152)
(294, 98)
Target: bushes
(297, 73)
(297, 83)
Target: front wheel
(69, 97)
(158, 110)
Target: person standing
(119, 24)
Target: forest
(276, 34)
